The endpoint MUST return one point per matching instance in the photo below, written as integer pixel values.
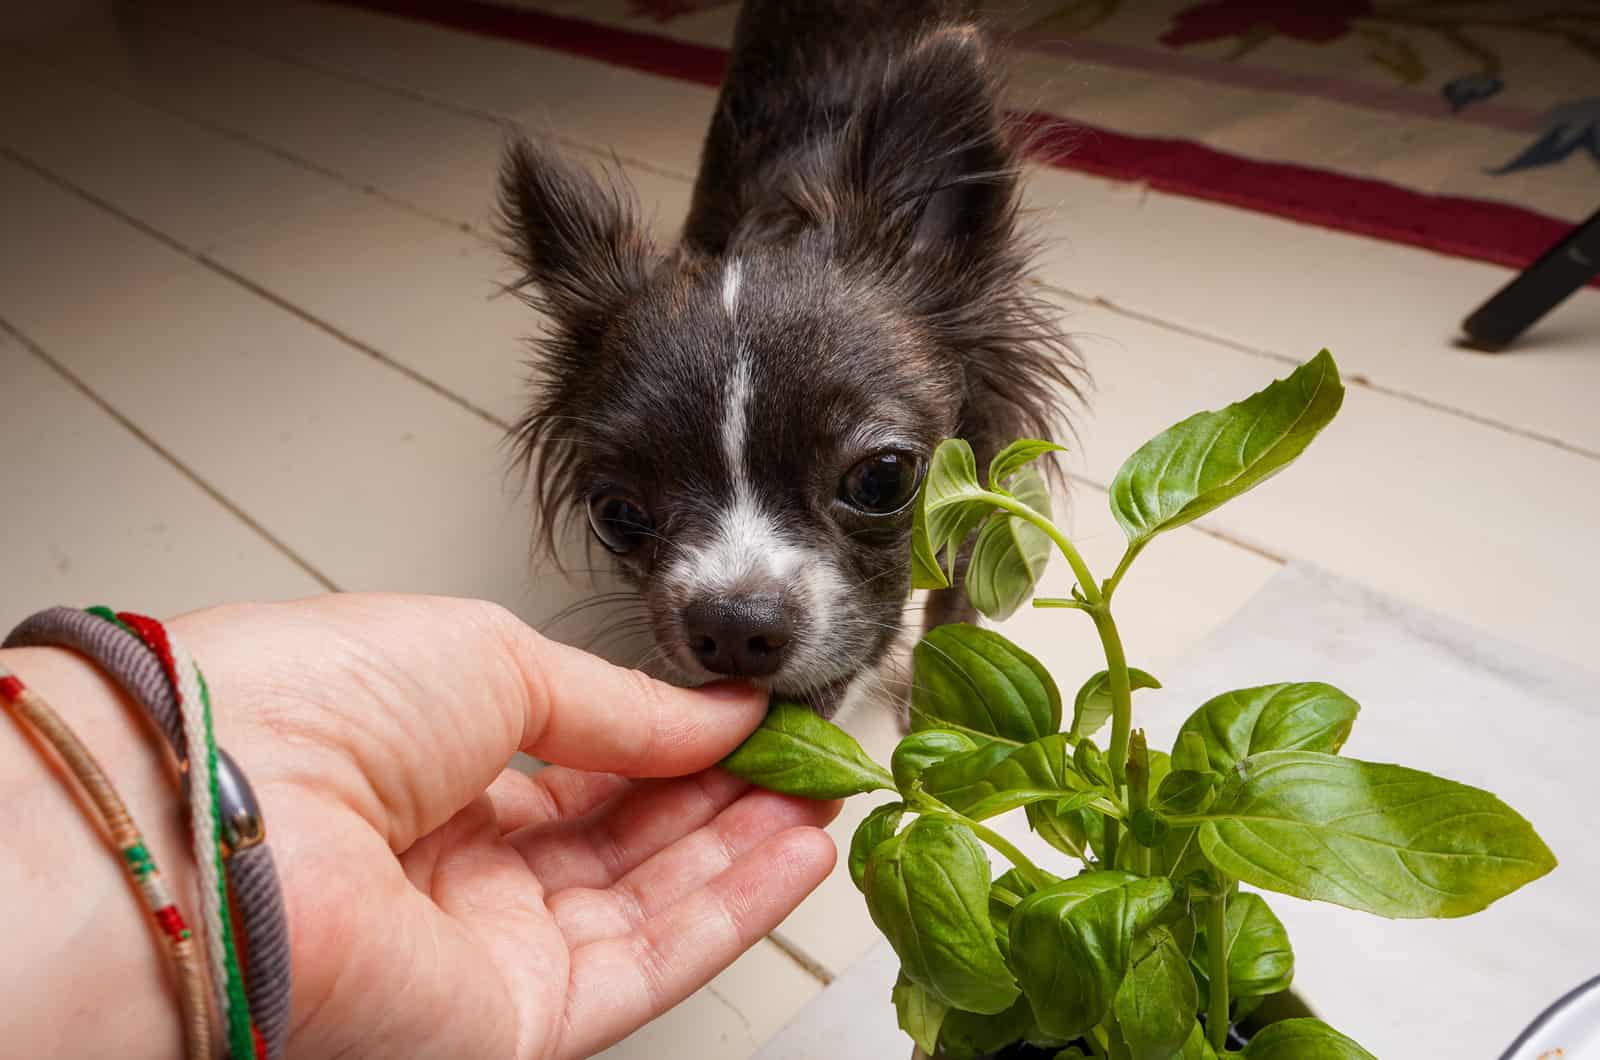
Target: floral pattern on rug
(1391, 31)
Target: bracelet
(159, 675)
(239, 863)
(136, 858)
(200, 794)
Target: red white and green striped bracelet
(194, 705)
(136, 858)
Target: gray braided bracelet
(252, 877)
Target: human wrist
(82, 944)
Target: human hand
(442, 906)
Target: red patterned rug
(1464, 127)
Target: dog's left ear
(583, 255)
(578, 240)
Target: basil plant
(1140, 944)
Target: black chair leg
(1520, 304)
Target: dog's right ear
(578, 240)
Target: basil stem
(1217, 950)
(1116, 658)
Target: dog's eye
(620, 524)
(882, 484)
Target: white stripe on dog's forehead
(736, 421)
(736, 392)
(732, 277)
(747, 548)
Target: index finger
(585, 713)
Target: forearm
(83, 970)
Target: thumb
(585, 713)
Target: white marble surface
(1435, 695)
(851, 1020)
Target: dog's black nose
(746, 636)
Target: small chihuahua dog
(746, 418)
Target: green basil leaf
(970, 1035)
(1304, 716)
(999, 777)
(962, 780)
(928, 891)
(1160, 768)
(1044, 762)
(1014, 886)
(1183, 926)
(1005, 894)
(977, 681)
(1016, 456)
(1011, 554)
(1155, 1006)
(1212, 457)
(1383, 839)
(1016, 798)
(1088, 760)
(1179, 857)
(1072, 943)
(1092, 707)
(1303, 1040)
(1260, 960)
(1082, 799)
(926, 571)
(1185, 791)
(921, 1014)
(877, 828)
(1070, 826)
(952, 500)
(1013, 881)
(922, 749)
(1076, 833)
(1072, 829)
(1189, 754)
(796, 752)
(1003, 802)
(1195, 1047)
(1149, 828)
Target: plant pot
(1274, 1009)
(1020, 1051)
(1570, 1027)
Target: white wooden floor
(248, 350)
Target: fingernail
(729, 690)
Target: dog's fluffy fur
(851, 280)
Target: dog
(745, 418)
